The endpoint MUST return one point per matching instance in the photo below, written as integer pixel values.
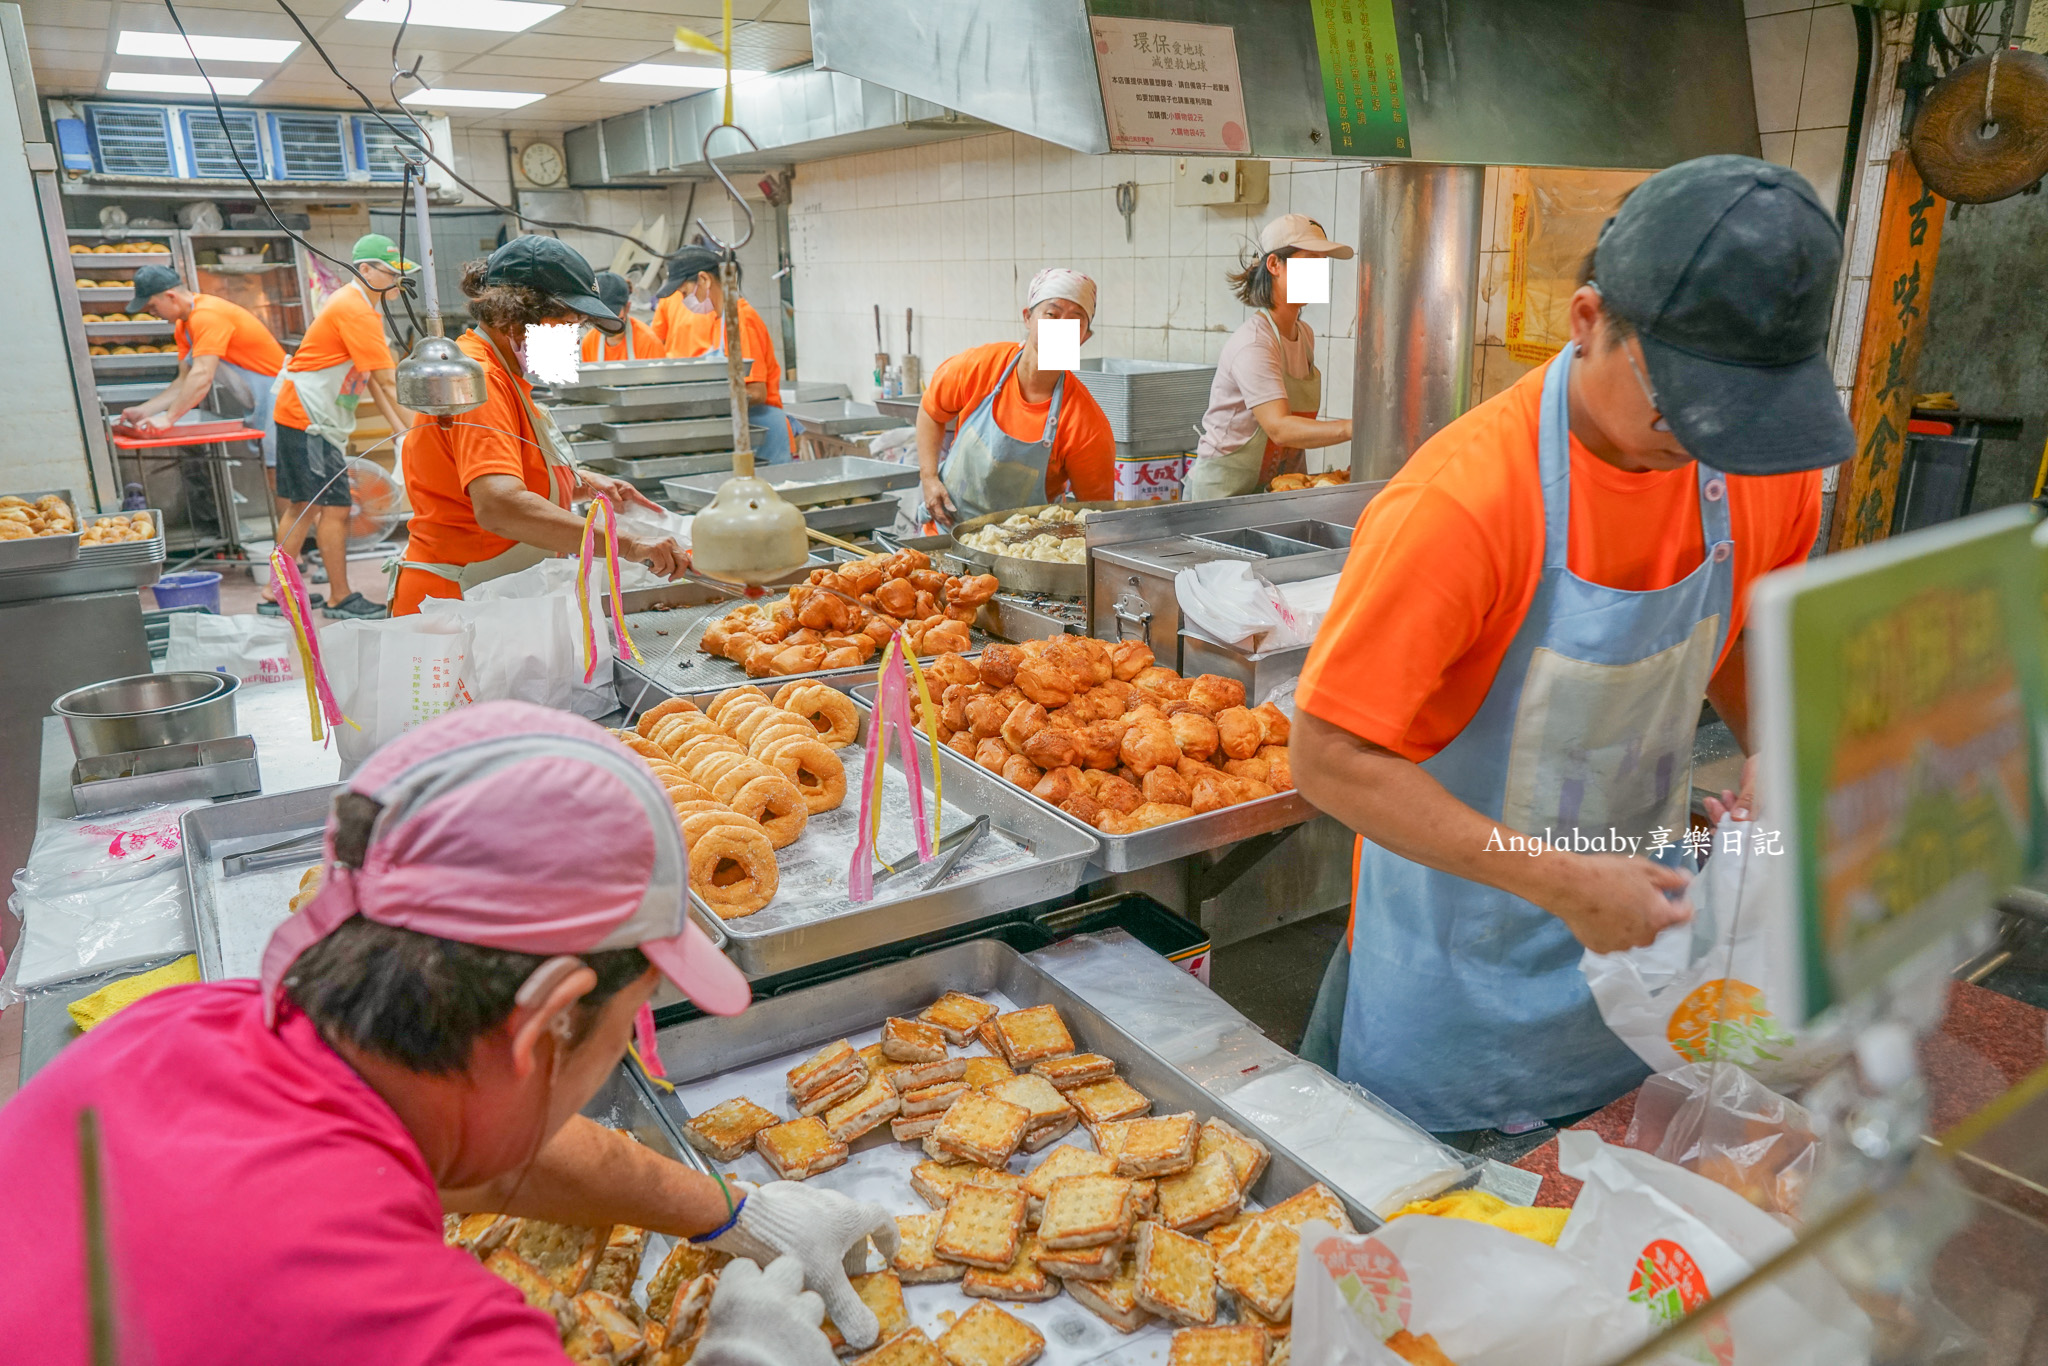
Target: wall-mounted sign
(1169, 87)
(1362, 86)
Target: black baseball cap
(557, 270)
(149, 282)
(614, 290)
(1726, 267)
(686, 265)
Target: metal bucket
(147, 710)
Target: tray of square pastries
(1062, 1193)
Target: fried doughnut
(774, 801)
(829, 711)
(1273, 722)
(716, 711)
(656, 712)
(640, 745)
(963, 743)
(797, 659)
(821, 610)
(972, 590)
(998, 665)
(787, 691)
(1087, 660)
(732, 870)
(740, 645)
(949, 669)
(783, 727)
(986, 715)
(665, 772)
(1045, 683)
(1082, 808)
(1149, 746)
(1144, 818)
(1163, 684)
(1195, 733)
(862, 645)
(1100, 743)
(1059, 784)
(812, 767)
(880, 628)
(1214, 693)
(1254, 768)
(1240, 731)
(686, 790)
(734, 776)
(1129, 658)
(691, 753)
(1025, 720)
(1053, 747)
(744, 727)
(896, 597)
(1163, 784)
(992, 754)
(1021, 771)
(946, 636)
(740, 710)
(673, 732)
(1279, 768)
(953, 704)
(1116, 794)
(862, 576)
(912, 560)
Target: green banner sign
(1362, 86)
(1899, 695)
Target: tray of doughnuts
(38, 529)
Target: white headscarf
(1057, 282)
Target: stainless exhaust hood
(1602, 83)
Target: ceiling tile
(48, 38)
(617, 51)
(502, 64)
(591, 21)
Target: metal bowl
(147, 710)
(1029, 576)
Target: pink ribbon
(892, 713)
(621, 640)
(643, 1040)
(299, 608)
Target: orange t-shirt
(221, 327)
(347, 328)
(646, 346)
(441, 465)
(1083, 450)
(1446, 560)
(683, 333)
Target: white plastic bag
(1668, 1240)
(1715, 1119)
(1705, 991)
(527, 638)
(255, 649)
(1378, 1157)
(653, 524)
(1488, 1297)
(1229, 603)
(100, 892)
(392, 675)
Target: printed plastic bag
(1668, 1240)
(1704, 991)
(1229, 603)
(1714, 1119)
(254, 649)
(1485, 1296)
(392, 675)
(526, 649)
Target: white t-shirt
(1248, 373)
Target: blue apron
(1466, 1008)
(988, 470)
(774, 448)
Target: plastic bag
(98, 893)
(526, 640)
(898, 445)
(1487, 1297)
(1704, 991)
(650, 524)
(254, 649)
(392, 675)
(1229, 603)
(1668, 1240)
(1377, 1156)
(1716, 1120)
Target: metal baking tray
(653, 370)
(806, 483)
(1059, 580)
(1162, 843)
(839, 416)
(707, 1058)
(905, 407)
(234, 909)
(630, 400)
(1024, 859)
(710, 431)
(168, 773)
(42, 552)
(119, 259)
(849, 519)
(645, 472)
(117, 331)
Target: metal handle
(1125, 611)
(737, 198)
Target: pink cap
(512, 826)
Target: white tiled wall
(1802, 60)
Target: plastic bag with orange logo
(1704, 991)
(1715, 1119)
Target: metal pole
(432, 290)
(735, 367)
(1418, 294)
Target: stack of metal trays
(1152, 405)
(90, 569)
(847, 493)
(41, 552)
(842, 417)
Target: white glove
(763, 1318)
(824, 1231)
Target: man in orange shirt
(634, 341)
(1503, 696)
(314, 425)
(683, 332)
(1015, 444)
(218, 342)
(693, 276)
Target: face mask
(697, 305)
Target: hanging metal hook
(737, 197)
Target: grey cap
(149, 282)
(1726, 266)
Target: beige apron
(1253, 465)
(327, 415)
(554, 449)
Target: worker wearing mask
(491, 488)
(1267, 391)
(1020, 434)
(636, 342)
(315, 422)
(219, 343)
(683, 333)
(422, 1039)
(693, 276)
(1518, 646)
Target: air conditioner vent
(131, 139)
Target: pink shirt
(264, 1205)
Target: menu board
(1362, 87)
(1899, 695)
(1170, 87)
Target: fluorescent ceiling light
(206, 48)
(443, 98)
(496, 16)
(663, 73)
(157, 84)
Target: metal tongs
(946, 854)
(287, 851)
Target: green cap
(375, 246)
(557, 270)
